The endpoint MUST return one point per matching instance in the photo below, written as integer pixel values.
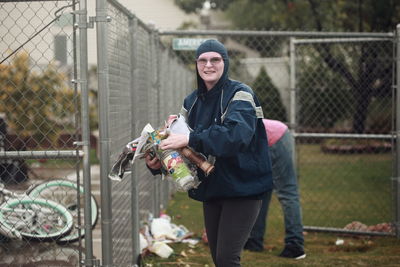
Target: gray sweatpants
(228, 225)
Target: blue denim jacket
(226, 123)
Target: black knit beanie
(213, 45)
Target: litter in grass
(380, 227)
(161, 231)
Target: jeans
(285, 185)
(228, 224)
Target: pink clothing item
(275, 130)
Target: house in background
(22, 20)
(163, 14)
(160, 14)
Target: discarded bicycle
(22, 216)
(66, 193)
(47, 211)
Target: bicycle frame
(23, 216)
(6, 195)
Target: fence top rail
(122, 8)
(129, 14)
(279, 33)
(31, 1)
(341, 40)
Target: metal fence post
(397, 114)
(103, 87)
(133, 30)
(161, 110)
(292, 86)
(77, 115)
(82, 24)
(292, 71)
(156, 87)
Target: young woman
(226, 122)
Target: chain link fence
(40, 122)
(344, 120)
(144, 83)
(335, 93)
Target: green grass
(335, 190)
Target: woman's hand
(174, 141)
(153, 162)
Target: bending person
(281, 144)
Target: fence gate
(343, 113)
(336, 93)
(44, 134)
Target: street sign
(186, 43)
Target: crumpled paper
(161, 231)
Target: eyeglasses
(214, 61)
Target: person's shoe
(252, 246)
(293, 252)
(253, 249)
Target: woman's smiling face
(210, 67)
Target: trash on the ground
(381, 227)
(161, 231)
(339, 242)
(204, 237)
(191, 241)
(143, 242)
(183, 254)
(161, 249)
(161, 228)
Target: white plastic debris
(161, 249)
(143, 242)
(339, 242)
(160, 232)
(161, 229)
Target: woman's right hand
(153, 162)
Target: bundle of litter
(181, 165)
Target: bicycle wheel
(65, 193)
(38, 219)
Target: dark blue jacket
(226, 124)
